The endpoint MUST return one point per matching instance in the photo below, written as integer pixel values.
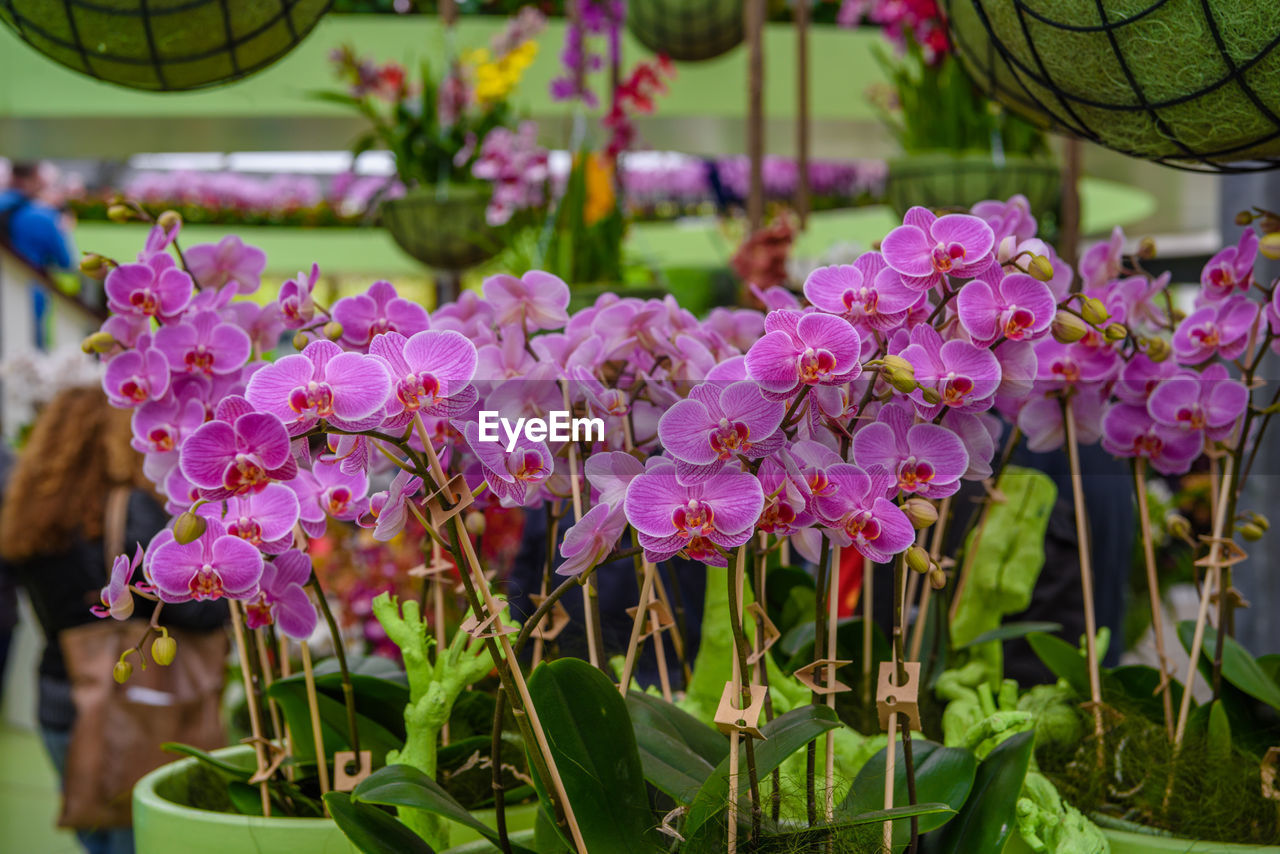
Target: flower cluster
(830, 420)
(516, 165)
(919, 20)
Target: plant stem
(899, 603)
(819, 642)
(1153, 590)
(736, 582)
(499, 789)
(762, 668)
(348, 693)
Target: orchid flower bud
(164, 648)
(333, 330)
(920, 511)
(1269, 223)
(937, 578)
(918, 560)
(1260, 520)
(96, 266)
(169, 220)
(188, 528)
(99, 342)
(1146, 248)
(931, 396)
(1005, 249)
(1250, 531)
(1116, 332)
(119, 213)
(123, 669)
(1067, 328)
(1157, 349)
(299, 340)
(899, 373)
(475, 523)
(1244, 218)
(1040, 268)
(1178, 525)
(1093, 311)
(1269, 245)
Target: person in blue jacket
(31, 227)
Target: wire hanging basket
(687, 30)
(163, 45)
(1188, 83)
(444, 227)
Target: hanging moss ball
(1186, 82)
(163, 45)
(687, 30)
(444, 227)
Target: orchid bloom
(366, 316)
(117, 598)
(1208, 401)
(924, 459)
(697, 520)
(263, 519)
(963, 375)
(591, 539)
(297, 308)
(142, 290)
(855, 510)
(430, 373)
(717, 423)
(803, 349)
(347, 390)
(1218, 328)
(135, 377)
(1231, 269)
(862, 292)
(228, 261)
(204, 344)
(238, 455)
(925, 250)
(536, 300)
(213, 566)
(1016, 308)
(282, 599)
(1128, 430)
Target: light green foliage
(434, 685)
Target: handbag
(118, 729)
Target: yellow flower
(601, 199)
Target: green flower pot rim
(931, 160)
(145, 795)
(1156, 839)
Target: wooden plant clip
(769, 633)
(1230, 555)
(1271, 776)
(437, 571)
(893, 700)
(437, 512)
(660, 618)
(489, 627)
(746, 721)
(550, 627)
(345, 780)
(814, 676)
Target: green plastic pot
(163, 45)
(687, 30)
(1133, 842)
(946, 180)
(1175, 81)
(444, 226)
(164, 821)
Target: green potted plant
(958, 147)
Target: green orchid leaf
(676, 723)
(594, 746)
(670, 766)
(1063, 659)
(783, 736)
(372, 830)
(1010, 631)
(234, 770)
(989, 813)
(405, 786)
(944, 775)
(1238, 667)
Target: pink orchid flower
(1208, 401)
(591, 539)
(1219, 328)
(513, 476)
(431, 373)
(136, 376)
(227, 261)
(297, 308)
(1101, 262)
(1041, 420)
(718, 423)
(1016, 307)
(347, 390)
(862, 293)
(117, 598)
(927, 249)
(1128, 430)
(536, 300)
(1231, 269)
(803, 349)
(282, 599)
(855, 510)
(145, 291)
(263, 519)
(368, 315)
(213, 566)
(238, 454)
(692, 519)
(924, 459)
(204, 344)
(964, 375)
(388, 512)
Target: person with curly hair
(52, 540)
